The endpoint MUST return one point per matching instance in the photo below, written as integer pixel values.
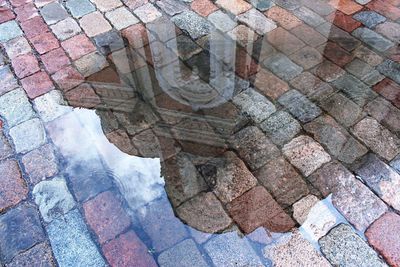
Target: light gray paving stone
(231, 250)
(53, 198)
(288, 4)
(66, 29)
(257, 21)
(15, 107)
(343, 247)
(282, 66)
(222, 21)
(51, 105)
(369, 18)
(121, 18)
(5, 148)
(281, 127)
(262, 5)
(183, 254)
(192, 23)
(299, 106)
(28, 135)
(390, 69)
(382, 179)
(79, 8)
(355, 89)
(254, 105)
(373, 39)
(171, 7)
(17, 46)
(53, 12)
(147, 13)
(309, 16)
(71, 242)
(91, 63)
(9, 30)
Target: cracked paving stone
(227, 176)
(39, 255)
(254, 147)
(53, 198)
(20, 229)
(183, 254)
(381, 237)
(377, 137)
(12, 186)
(192, 23)
(382, 179)
(343, 247)
(28, 135)
(305, 154)
(282, 180)
(205, 213)
(231, 250)
(282, 66)
(254, 105)
(71, 242)
(40, 164)
(299, 106)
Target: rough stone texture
(299, 106)
(121, 18)
(55, 60)
(230, 249)
(15, 107)
(254, 105)
(378, 138)
(390, 69)
(12, 186)
(382, 179)
(51, 106)
(53, 12)
(173, 7)
(381, 236)
(20, 229)
(17, 46)
(257, 208)
(37, 84)
(9, 30)
(106, 216)
(282, 180)
(356, 90)
(158, 217)
(364, 72)
(39, 255)
(257, 21)
(283, 17)
(147, 13)
(205, 213)
(190, 22)
(28, 135)
(94, 24)
(79, 8)
(373, 39)
(282, 66)
(91, 63)
(369, 18)
(288, 44)
(71, 242)
(281, 127)
(293, 250)
(269, 84)
(5, 148)
(40, 164)
(302, 208)
(183, 254)
(305, 154)
(8, 80)
(227, 176)
(347, 195)
(53, 198)
(25, 65)
(222, 21)
(65, 29)
(254, 147)
(235, 7)
(109, 42)
(343, 247)
(106, 5)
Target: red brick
(37, 84)
(390, 90)
(67, 78)
(45, 42)
(55, 60)
(6, 15)
(17, 3)
(39, 255)
(257, 208)
(136, 35)
(245, 65)
(106, 216)
(128, 250)
(269, 84)
(283, 17)
(385, 8)
(203, 7)
(34, 26)
(26, 12)
(343, 21)
(336, 54)
(383, 235)
(348, 7)
(12, 186)
(83, 96)
(285, 41)
(78, 46)
(25, 65)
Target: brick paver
(260, 112)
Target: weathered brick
(299, 106)
(13, 188)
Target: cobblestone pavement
(200, 133)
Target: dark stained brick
(389, 90)
(106, 216)
(257, 208)
(39, 255)
(20, 229)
